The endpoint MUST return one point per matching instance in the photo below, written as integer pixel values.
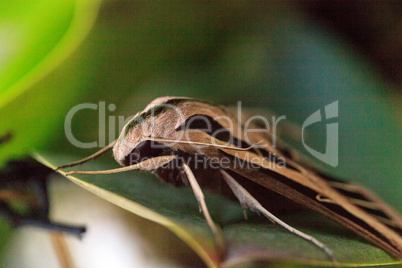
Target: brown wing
(311, 191)
(350, 206)
(356, 194)
(366, 200)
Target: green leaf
(255, 239)
(36, 36)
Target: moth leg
(247, 200)
(91, 157)
(217, 232)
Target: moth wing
(368, 201)
(300, 184)
(259, 117)
(306, 189)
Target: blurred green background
(291, 58)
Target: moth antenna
(88, 158)
(142, 165)
(204, 143)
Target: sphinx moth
(193, 143)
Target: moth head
(129, 139)
(156, 120)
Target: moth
(196, 144)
